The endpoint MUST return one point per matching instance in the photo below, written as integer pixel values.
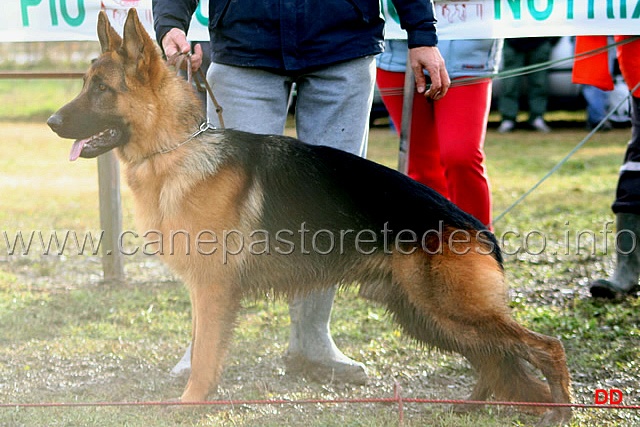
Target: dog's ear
(137, 46)
(110, 40)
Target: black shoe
(605, 289)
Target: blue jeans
(597, 103)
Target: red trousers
(446, 141)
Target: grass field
(67, 337)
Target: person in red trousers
(447, 136)
(594, 70)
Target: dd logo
(612, 396)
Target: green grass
(67, 337)
(34, 99)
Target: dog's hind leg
(509, 377)
(215, 309)
(546, 354)
(457, 302)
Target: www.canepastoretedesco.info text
(305, 241)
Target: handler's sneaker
(506, 126)
(183, 367)
(337, 369)
(312, 353)
(539, 125)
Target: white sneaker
(506, 126)
(539, 125)
(183, 367)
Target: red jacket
(594, 70)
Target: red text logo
(612, 396)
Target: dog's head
(101, 117)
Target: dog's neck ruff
(205, 126)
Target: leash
(515, 72)
(199, 79)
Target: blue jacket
(295, 35)
(473, 57)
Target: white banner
(58, 20)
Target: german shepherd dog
(284, 217)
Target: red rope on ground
(397, 399)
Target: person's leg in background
(252, 100)
(626, 207)
(537, 87)
(332, 108)
(509, 100)
(334, 104)
(461, 122)
(424, 151)
(443, 154)
(598, 101)
(597, 104)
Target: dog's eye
(102, 87)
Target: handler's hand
(175, 42)
(429, 58)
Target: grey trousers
(332, 108)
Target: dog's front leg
(214, 309)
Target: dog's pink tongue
(76, 149)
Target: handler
(595, 71)
(258, 50)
